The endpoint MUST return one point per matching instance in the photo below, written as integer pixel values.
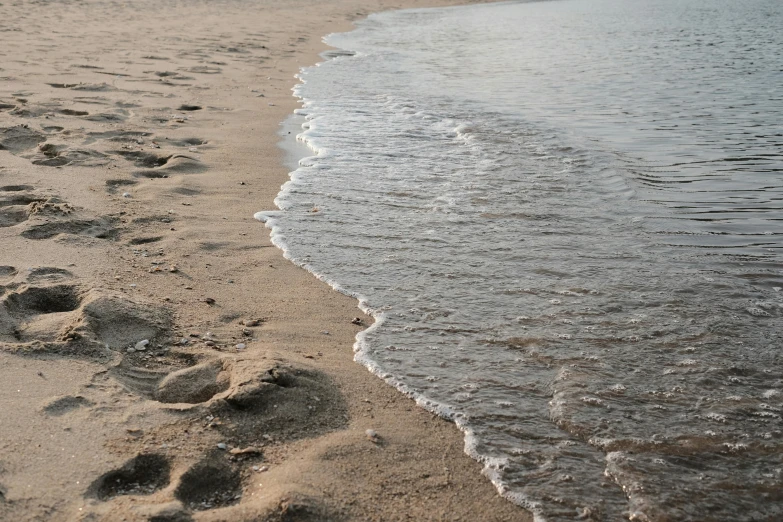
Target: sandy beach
(160, 359)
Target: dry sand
(137, 139)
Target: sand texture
(137, 139)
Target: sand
(137, 139)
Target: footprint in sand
(144, 240)
(38, 313)
(34, 110)
(250, 397)
(19, 138)
(133, 137)
(87, 87)
(72, 112)
(25, 142)
(174, 164)
(186, 191)
(14, 204)
(54, 155)
(114, 185)
(244, 391)
(58, 406)
(45, 310)
(204, 69)
(191, 385)
(248, 394)
(210, 484)
(7, 271)
(108, 117)
(49, 274)
(100, 228)
(187, 142)
(141, 475)
(143, 158)
(44, 216)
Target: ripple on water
(576, 258)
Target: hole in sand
(176, 164)
(157, 218)
(144, 240)
(51, 161)
(44, 300)
(204, 69)
(209, 484)
(113, 184)
(71, 112)
(188, 142)
(48, 272)
(15, 188)
(150, 174)
(212, 246)
(102, 228)
(107, 116)
(142, 475)
(19, 199)
(186, 191)
(144, 159)
(10, 216)
(185, 107)
(118, 135)
(62, 405)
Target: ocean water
(567, 220)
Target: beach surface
(160, 359)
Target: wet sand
(136, 142)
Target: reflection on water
(567, 218)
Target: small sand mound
(271, 397)
(194, 385)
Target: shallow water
(566, 218)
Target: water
(566, 218)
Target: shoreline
(135, 157)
